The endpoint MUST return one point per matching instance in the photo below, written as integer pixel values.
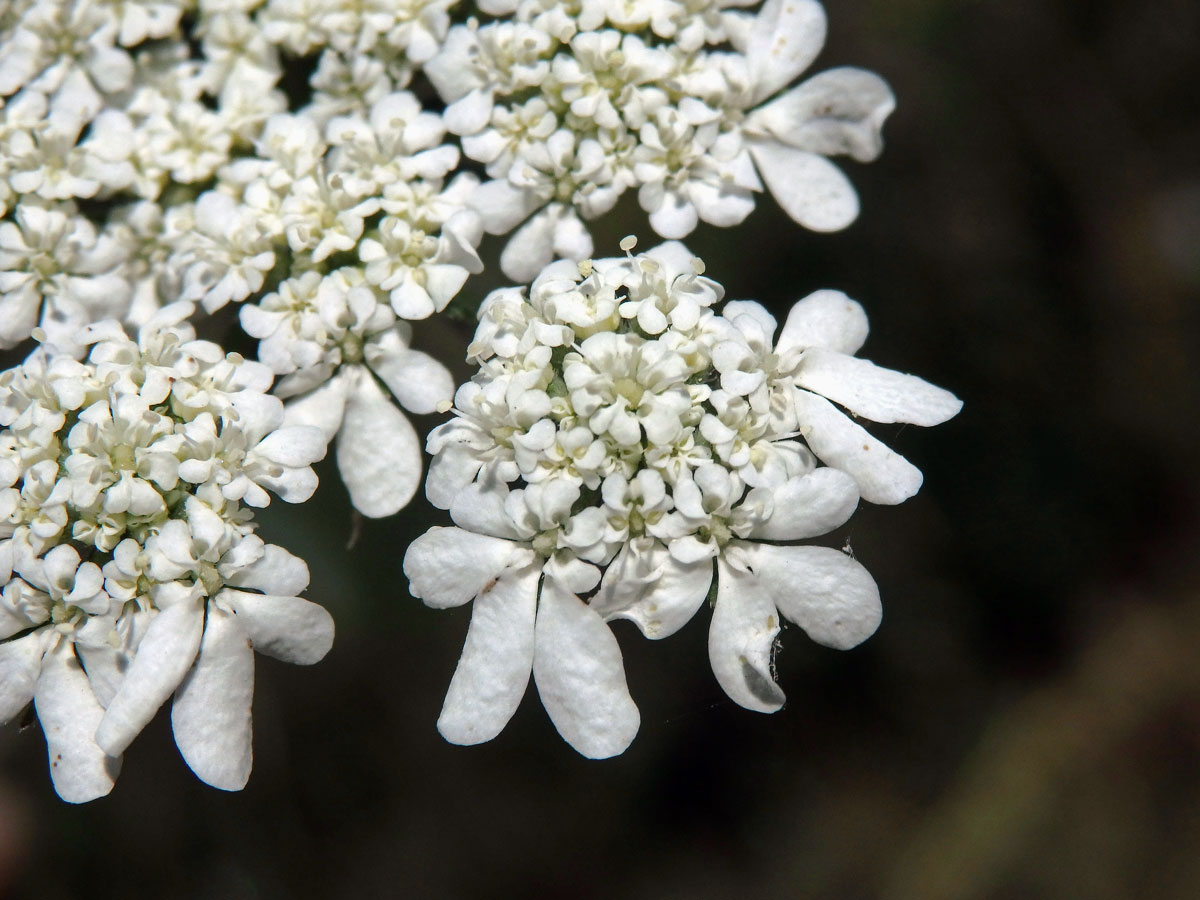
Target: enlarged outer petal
(378, 453)
(69, 714)
(496, 660)
(785, 38)
(211, 713)
(503, 206)
(827, 319)
(652, 589)
(275, 572)
(840, 111)
(20, 663)
(883, 476)
(416, 379)
(580, 676)
(163, 657)
(876, 393)
(292, 629)
(323, 406)
(480, 508)
(822, 590)
(808, 187)
(809, 505)
(447, 567)
(531, 248)
(741, 637)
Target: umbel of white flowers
(623, 445)
(128, 558)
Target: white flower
(839, 111)
(334, 342)
(144, 455)
(815, 361)
(58, 273)
(617, 421)
(527, 617)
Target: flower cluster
(621, 441)
(130, 564)
(570, 104)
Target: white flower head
(569, 106)
(146, 458)
(624, 443)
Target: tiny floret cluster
(130, 566)
(629, 448)
(687, 102)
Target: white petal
(883, 475)
(676, 216)
(876, 393)
(20, 663)
(469, 113)
(323, 406)
(496, 660)
(572, 240)
(480, 508)
(740, 640)
(211, 713)
(840, 111)
(652, 589)
(165, 653)
(378, 452)
(292, 629)
(275, 572)
(451, 469)
(580, 676)
(416, 379)
(822, 590)
(530, 249)
(810, 505)
(69, 714)
(808, 187)
(785, 38)
(448, 566)
(293, 445)
(502, 206)
(827, 319)
(721, 205)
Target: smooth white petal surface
(416, 379)
(323, 406)
(480, 508)
(822, 590)
(883, 475)
(809, 188)
(839, 111)
(69, 714)
(211, 713)
(20, 663)
(275, 572)
(449, 566)
(785, 38)
(165, 653)
(652, 589)
(378, 452)
(580, 676)
(292, 629)
(827, 319)
(810, 505)
(740, 640)
(531, 248)
(496, 659)
(876, 393)
(293, 445)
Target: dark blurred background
(1026, 722)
